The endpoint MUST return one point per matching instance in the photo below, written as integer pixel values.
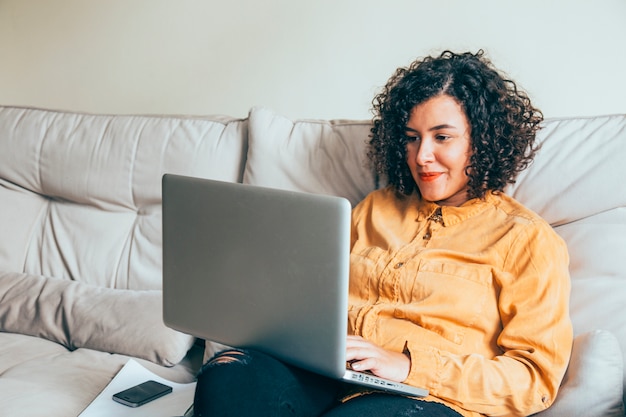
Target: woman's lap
(248, 383)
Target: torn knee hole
(228, 356)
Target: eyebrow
(438, 127)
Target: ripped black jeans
(238, 383)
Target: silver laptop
(261, 268)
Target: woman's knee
(226, 357)
(241, 382)
(221, 381)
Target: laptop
(261, 268)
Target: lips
(429, 176)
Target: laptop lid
(259, 268)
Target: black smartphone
(142, 393)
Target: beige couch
(80, 240)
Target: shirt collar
(453, 215)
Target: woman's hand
(366, 356)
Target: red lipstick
(429, 176)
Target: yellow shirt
(479, 294)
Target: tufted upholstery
(85, 190)
(80, 247)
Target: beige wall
(310, 59)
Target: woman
(455, 287)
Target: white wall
(305, 59)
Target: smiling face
(439, 150)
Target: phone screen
(142, 393)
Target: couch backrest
(579, 170)
(575, 183)
(317, 156)
(81, 193)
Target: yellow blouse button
(399, 265)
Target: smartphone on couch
(142, 393)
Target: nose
(424, 152)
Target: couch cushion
(597, 245)
(43, 378)
(81, 193)
(592, 386)
(318, 156)
(579, 170)
(78, 315)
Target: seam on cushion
(333, 123)
(202, 137)
(583, 218)
(290, 136)
(125, 249)
(245, 146)
(35, 358)
(133, 161)
(15, 128)
(63, 256)
(168, 140)
(131, 243)
(37, 226)
(39, 153)
(600, 116)
(115, 279)
(162, 155)
(94, 156)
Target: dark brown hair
(502, 120)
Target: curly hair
(503, 122)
